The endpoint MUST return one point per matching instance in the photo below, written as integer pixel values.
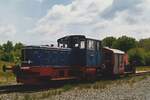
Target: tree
(125, 43)
(18, 46)
(10, 53)
(1, 47)
(145, 43)
(7, 57)
(7, 52)
(8, 47)
(17, 52)
(147, 58)
(137, 55)
(108, 41)
(1, 51)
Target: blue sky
(20, 16)
(43, 21)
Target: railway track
(21, 88)
(37, 88)
(28, 88)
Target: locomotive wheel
(89, 78)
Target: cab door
(118, 64)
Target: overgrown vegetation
(10, 54)
(143, 68)
(6, 78)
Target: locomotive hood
(45, 56)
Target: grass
(102, 84)
(143, 68)
(6, 77)
(67, 87)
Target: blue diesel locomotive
(75, 57)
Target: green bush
(145, 43)
(147, 58)
(125, 43)
(108, 41)
(137, 55)
(8, 57)
(67, 87)
(10, 52)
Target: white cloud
(7, 32)
(96, 18)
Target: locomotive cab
(84, 51)
(77, 45)
(86, 55)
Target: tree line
(10, 52)
(138, 51)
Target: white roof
(115, 50)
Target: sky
(43, 21)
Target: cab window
(91, 44)
(82, 45)
(98, 46)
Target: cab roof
(116, 51)
(69, 37)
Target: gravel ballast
(139, 90)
